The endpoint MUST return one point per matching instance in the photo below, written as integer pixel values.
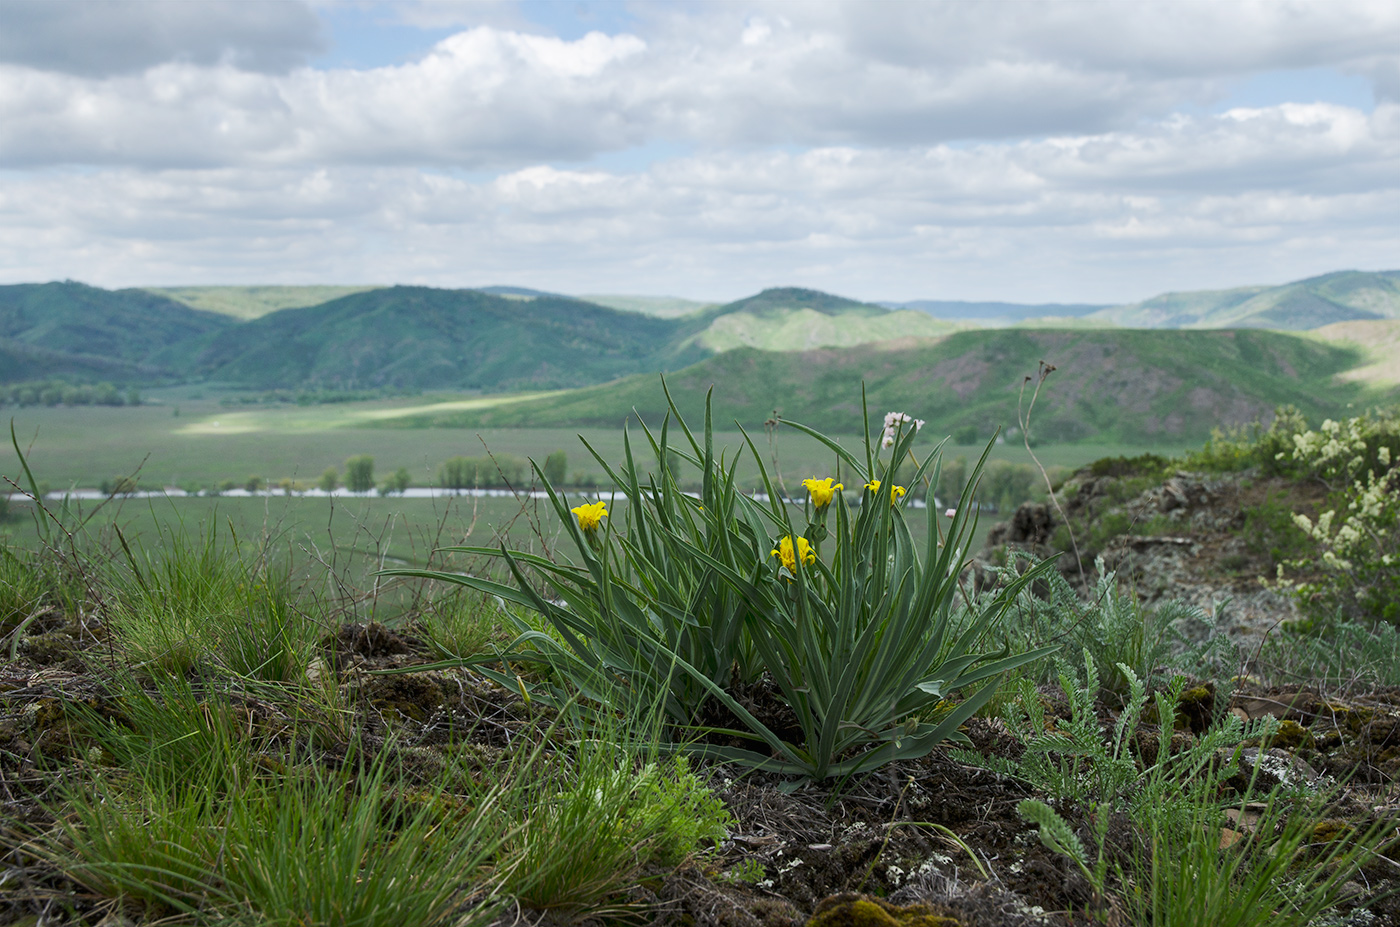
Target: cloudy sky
(1026, 151)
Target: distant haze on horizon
(1022, 152)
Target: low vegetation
(716, 708)
(61, 392)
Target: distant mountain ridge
(499, 338)
(797, 319)
(996, 313)
(515, 338)
(1344, 296)
(793, 339)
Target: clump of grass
(1201, 874)
(194, 604)
(158, 735)
(325, 850)
(1339, 654)
(462, 623)
(138, 840)
(306, 846)
(24, 591)
(585, 836)
(275, 641)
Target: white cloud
(481, 97)
(1213, 200)
(867, 74)
(98, 38)
(1032, 151)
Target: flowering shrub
(694, 596)
(1359, 533)
(1251, 446)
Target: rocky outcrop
(1179, 535)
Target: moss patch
(865, 911)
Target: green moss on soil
(865, 911)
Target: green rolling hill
(1344, 296)
(85, 332)
(428, 338)
(802, 352)
(356, 337)
(513, 338)
(795, 319)
(1114, 385)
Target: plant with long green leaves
(697, 592)
(649, 598)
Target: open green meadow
(185, 438)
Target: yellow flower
(895, 491)
(821, 491)
(590, 515)
(784, 553)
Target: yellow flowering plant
(590, 515)
(696, 597)
(821, 491)
(784, 552)
(642, 618)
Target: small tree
(253, 484)
(359, 473)
(457, 473)
(330, 479)
(555, 467)
(396, 484)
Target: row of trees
(311, 397)
(59, 392)
(359, 477)
(1004, 485)
(499, 471)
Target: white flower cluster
(1335, 449)
(893, 422)
(1360, 543)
